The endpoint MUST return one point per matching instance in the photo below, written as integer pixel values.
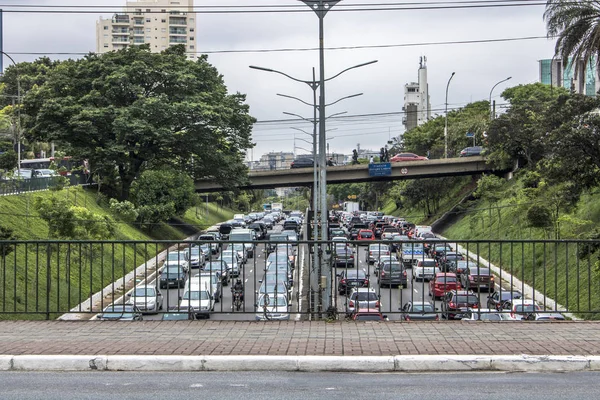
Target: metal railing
(10, 186)
(403, 280)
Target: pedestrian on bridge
(371, 160)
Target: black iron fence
(264, 280)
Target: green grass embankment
(41, 280)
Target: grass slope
(41, 280)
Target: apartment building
(158, 23)
(554, 72)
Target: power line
(302, 49)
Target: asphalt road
(289, 385)
(394, 298)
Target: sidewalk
(298, 338)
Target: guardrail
(46, 279)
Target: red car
(442, 283)
(407, 157)
(365, 234)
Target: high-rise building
(158, 23)
(417, 109)
(554, 72)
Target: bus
(56, 162)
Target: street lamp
(446, 123)
(492, 112)
(18, 113)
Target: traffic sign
(352, 197)
(380, 169)
(470, 134)
(404, 171)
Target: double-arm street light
(492, 110)
(446, 122)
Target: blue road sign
(470, 134)
(380, 169)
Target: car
(443, 282)
(365, 234)
(196, 257)
(375, 251)
(364, 298)
(171, 275)
(472, 151)
(550, 317)
(221, 267)
(425, 270)
(351, 278)
(450, 257)
(260, 228)
(478, 278)
(178, 314)
(146, 298)
(343, 257)
(391, 274)
(283, 269)
(242, 250)
(419, 311)
(303, 162)
(368, 315)
(523, 309)
(45, 173)
(383, 259)
(407, 157)
(460, 267)
(199, 299)
(216, 285)
(502, 299)
(457, 302)
(484, 314)
(292, 236)
(272, 285)
(272, 308)
(120, 312)
(337, 233)
(232, 264)
(178, 258)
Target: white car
(425, 270)
(522, 309)
(198, 298)
(485, 314)
(270, 307)
(148, 299)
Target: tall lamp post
(18, 113)
(492, 111)
(446, 122)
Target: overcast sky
(477, 66)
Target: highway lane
(394, 298)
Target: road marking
(250, 270)
(246, 281)
(196, 385)
(415, 290)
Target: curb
(424, 363)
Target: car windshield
(195, 295)
(471, 299)
(394, 267)
(511, 295)
(172, 271)
(525, 308)
(195, 251)
(272, 301)
(144, 292)
(365, 296)
(427, 263)
(444, 279)
(422, 308)
(175, 257)
(216, 266)
(366, 234)
(479, 271)
(353, 274)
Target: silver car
(364, 299)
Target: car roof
(442, 274)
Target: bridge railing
(51, 279)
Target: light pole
(18, 113)
(492, 112)
(446, 122)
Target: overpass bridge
(360, 173)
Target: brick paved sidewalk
(298, 338)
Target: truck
(411, 254)
(277, 207)
(351, 206)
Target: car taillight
(377, 304)
(475, 306)
(471, 278)
(407, 318)
(437, 317)
(491, 278)
(451, 305)
(387, 253)
(370, 253)
(351, 304)
(343, 281)
(367, 282)
(351, 256)
(404, 273)
(382, 274)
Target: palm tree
(576, 25)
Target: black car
(302, 163)
(502, 300)
(221, 267)
(471, 151)
(172, 275)
(260, 229)
(350, 279)
(343, 256)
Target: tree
(489, 187)
(133, 110)
(59, 216)
(576, 25)
(162, 194)
(8, 160)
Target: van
(210, 280)
(291, 224)
(246, 236)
